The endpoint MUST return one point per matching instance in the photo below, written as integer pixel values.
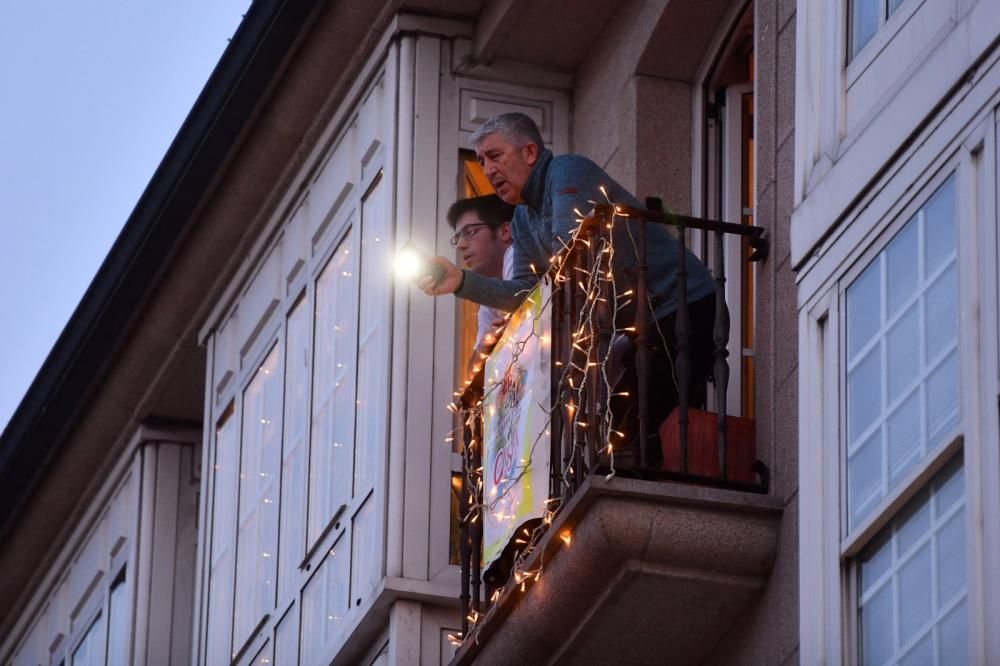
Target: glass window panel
(904, 437)
(927, 573)
(914, 593)
(263, 656)
(257, 540)
(864, 477)
(118, 625)
(942, 314)
(878, 565)
(942, 399)
(366, 562)
(939, 227)
(373, 346)
(876, 627)
(331, 452)
(903, 268)
(903, 351)
(894, 5)
(864, 309)
(950, 543)
(286, 638)
(324, 605)
(864, 403)
(953, 644)
(864, 23)
(293, 463)
(220, 588)
(950, 492)
(913, 355)
(89, 651)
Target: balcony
(647, 548)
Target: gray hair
(517, 128)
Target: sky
(91, 95)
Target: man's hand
(447, 284)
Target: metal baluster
(555, 393)
(570, 462)
(681, 329)
(463, 539)
(721, 338)
(591, 368)
(477, 525)
(603, 330)
(642, 344)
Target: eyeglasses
(468, 231)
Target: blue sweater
(557, 186)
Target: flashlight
(412, 264)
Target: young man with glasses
(483, 239)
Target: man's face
(481, 251)
(506, 166)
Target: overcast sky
(91, 95)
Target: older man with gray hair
(549, 190)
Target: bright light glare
(409, 263)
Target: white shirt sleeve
(487, 316)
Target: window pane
(286, 638)
(864, 308)
(904, 438)
(902, 370)
(220, 588)
(118, 625)
(902, 267)
(366, 564)
(324, 605)
(88, 651)
(373, 344)
(257, 545)
(293, 462)
(331, 454)
(953, 642)
(939, 227)
(864, 405)
(912, 579)
(864, 477)
(903, 349)
(864, 23)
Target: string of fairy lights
(582, 360)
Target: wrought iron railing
(584, 437)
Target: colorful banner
(516, 397)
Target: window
(89, 651)
(293, 460)
(220, 586)
(902, 355)
(331, 455)
(866, 16)
(911, 580)
(118, 623)
(729, 194)
(902, 416)
(373, 339)
(256, 549)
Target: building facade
(894, 242)
(237, 451)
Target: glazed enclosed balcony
(604, 518)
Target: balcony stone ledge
(653, 573)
